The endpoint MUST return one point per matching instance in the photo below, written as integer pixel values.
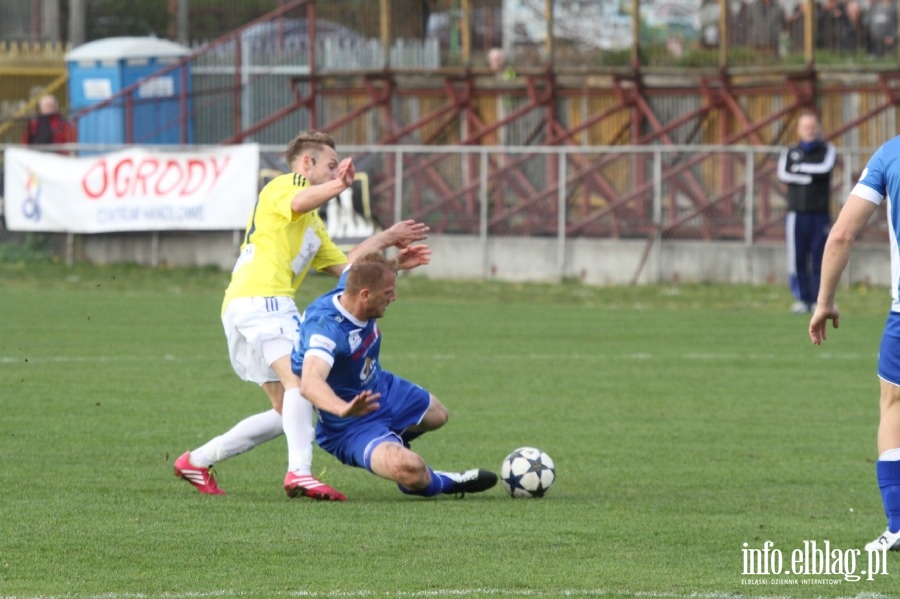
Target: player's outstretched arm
(399, 235)
(314, 388)
(312, 197)
(407, 258)
(412, 256)
(405, 232)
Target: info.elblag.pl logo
(815, 562)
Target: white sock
(243, 436)
(298, 428)
(891, 455)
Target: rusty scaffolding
(546, 104)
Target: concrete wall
(595, 262)
(168, 248)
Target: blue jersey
(880, 180)
(350, 346)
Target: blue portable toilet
(100, 69)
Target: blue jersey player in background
(338, 356)
(879, 182)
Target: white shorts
(260, 330)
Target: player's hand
(346, 171)
(818, 323)
(405, 232)
(364, 403)
(413, 256)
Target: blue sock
(889, 483)
(437, 486)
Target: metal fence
(272, 75)
(680, 192)
(707, 193)
(602, 215)
(574, 33)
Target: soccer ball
(527, 472)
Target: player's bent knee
(410, 470)
(436, 416)
(394, 462)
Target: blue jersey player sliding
(337, 357)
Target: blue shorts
(403, 404)
(889, 354)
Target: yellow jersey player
(284, 238)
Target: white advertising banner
(132, 190)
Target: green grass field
(684, 422)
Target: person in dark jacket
(806, 169)
(49, 126)
(882, 23)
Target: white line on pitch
(634, 356)
(600, 593)
(92, 359)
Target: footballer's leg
(298, 416)
(416, 411)
(457, 483)
(243, 436)
(200, 476)
(413, 476)
(435, 417)
(394, 462)
(195, 466)
(888, 465)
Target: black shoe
(470, 481)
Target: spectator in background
(806, 169)
(831, 25)
(857, 35)
(426, 14)
(503, 71)
(765, 20)
(496, 59)
(709, 24)
(796, 27)
(883, 27)
(49, 126)
(737, 23)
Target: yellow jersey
(280, 245)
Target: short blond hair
(369, 271)
(307, 142)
